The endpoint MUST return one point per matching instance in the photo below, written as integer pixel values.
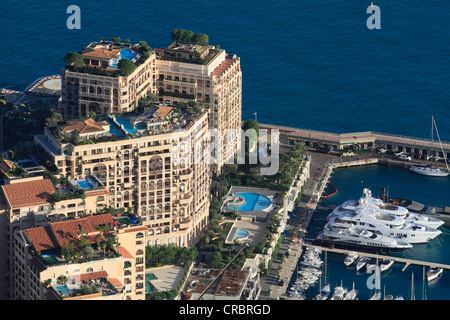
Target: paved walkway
(272, 287)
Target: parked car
(405, 157)
(381, 150)
(436, 158)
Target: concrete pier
(369, 139)
(406, 261)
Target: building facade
(179, 74)
(145, 174)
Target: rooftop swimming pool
(241, 234)
(87, 183)
(124, 54)
(113, 129)
(128, 54)
(126, 125)
(63, 289)
(253, 202)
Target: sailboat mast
(442, 149)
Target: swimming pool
(63, 289)
(149, 287)
(126, 125)
(50, 258)
(241, 234)
(253, 202)
(113, 129)
(86, 184)
(128, 54)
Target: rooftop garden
(83, 248)
(194, 48)
(76, 63)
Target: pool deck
(258, 215)
(255, 222)
(168, 277)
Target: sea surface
(306, 63)
(400, 182)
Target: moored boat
(350, 258)
(434, 273)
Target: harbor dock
(369, 139)
(406, 261)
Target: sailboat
(428, 170)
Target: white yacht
(386, 264)
(376, 205)
(429, 171)
(372, 220)
(434, 273)
(324, 293)
(350, 258)
(352, 294)
(376, 296)
(362, 239)
(339, 293)
(362, 263)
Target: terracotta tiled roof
(163, 111)
(68, 230)
(223, 66)
(124, 252)
(42, 238)
(85, 126)
(7, 164)
(143, 228)
(115, 282)
(29, 193)
(93, 275)
(102, 53)
(100, 192)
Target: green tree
(116, 40)
(54, 119)
(126, 67)
(251, 124)
(202, 39)
(74, 58)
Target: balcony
(185, 199)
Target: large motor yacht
(376, 205)
(362, 239)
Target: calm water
(306, 63)
(350, 182)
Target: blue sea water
(401, 184)
(306, 63)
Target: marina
(431, 255)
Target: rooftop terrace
(155, 120)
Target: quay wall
(335, 141)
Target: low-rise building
(85, 258)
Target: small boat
(371, 264)
(376, 296)
(386, 264)
(339, 293)
(324, 293)
(361, 263)
(352, 294)
(399, 298)
(389, 297)
(350, 258)
(434, 273)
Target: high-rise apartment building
(139, 162)
(179, 74)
